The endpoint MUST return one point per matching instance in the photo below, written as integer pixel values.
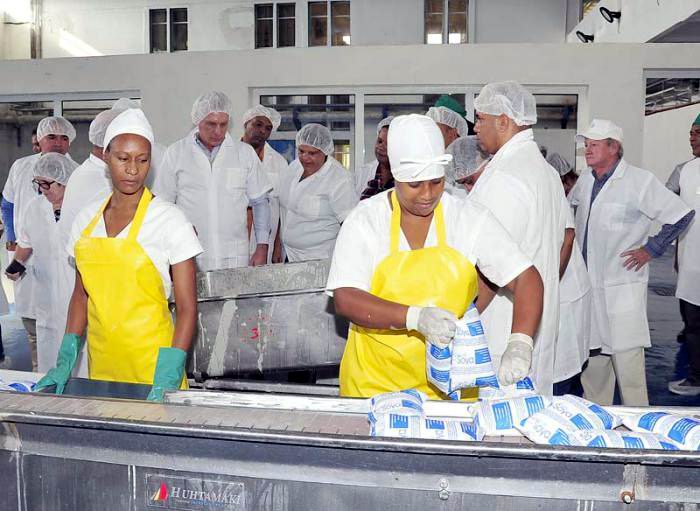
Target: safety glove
(65, 362)
(170, 369)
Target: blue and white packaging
(501, 417)
(617, 439)
(21, 385)
(684, 431)
(547, 427)
(395, 425)
(452, 429)
(523, 388)
(471, 359)
(437, 366)
(584, 414)
(407, 402)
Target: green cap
(696, 122)
(449, 102)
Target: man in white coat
(688, 288)
(54, 135)
(616, 204)
(525, 194)
(213, 178)
(375, 177)
(259, 123)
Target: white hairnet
(317, 136)
(467, 156)
(416, 149)
(131, 121)
(384, 123)
(444, 115)
(55, 126)
(54, 166)
(98, 126)
(209, 103)
(508, 98)
(559, 163)
(262, 111)
(125, 104)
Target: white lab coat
(313, 209)
(273, 164)
(364, 173)
(620, 220)
(574, 338)
(688, 288)
(214, 196)
(525, 194)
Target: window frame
(471, 23)
(329, 23)
(275, 23)
(147, 23)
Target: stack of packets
(466, 362)
(401, 415)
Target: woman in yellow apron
(405, 268)
(125, 249)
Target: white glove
(437, 325)
(516, 360)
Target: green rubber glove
(65, 362)
(170, 369)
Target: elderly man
(375, 177)
(616, 204)
(54, 135)
(259, 123)
(526, 196)
(213, 178)
(451, 124)
(688, 288)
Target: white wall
(610, 76)
(666, 139)
(387, 22)
(15, 39)
(641, 21)
(518, 21)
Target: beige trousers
(626, 369)
(30, 327)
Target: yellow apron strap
(88, 230)
(396, 225)
(140, 214)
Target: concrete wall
(516, 21)
(666, 139)
(641, 21)
(387, 22)
(611, 77)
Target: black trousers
(691, 318)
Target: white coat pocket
(613, 217)
(235, 180)
(311, 206)
(627, 313)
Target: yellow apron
(128, 316)
(377, 361)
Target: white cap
(271, 114)
(384, 123)
(209, 103)
(99, 125)
(131, 121)
(55, 126)
(601, 129)
(450, 118)
(416, 149)
(54, 166)
(560, 164)
(317, 136)
(125, 104)
(467, 156)
(509, 98)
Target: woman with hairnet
(405, 266)
(451, 124)
(468, 162)
(375, 177)
(130, 251)
(39, 239)
(316, 194)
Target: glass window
(263, 25)
(340, 23)
(457, 22)
(158, 29)
(434, 15)
(178, 29)
(286, 30)
(318, 23)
